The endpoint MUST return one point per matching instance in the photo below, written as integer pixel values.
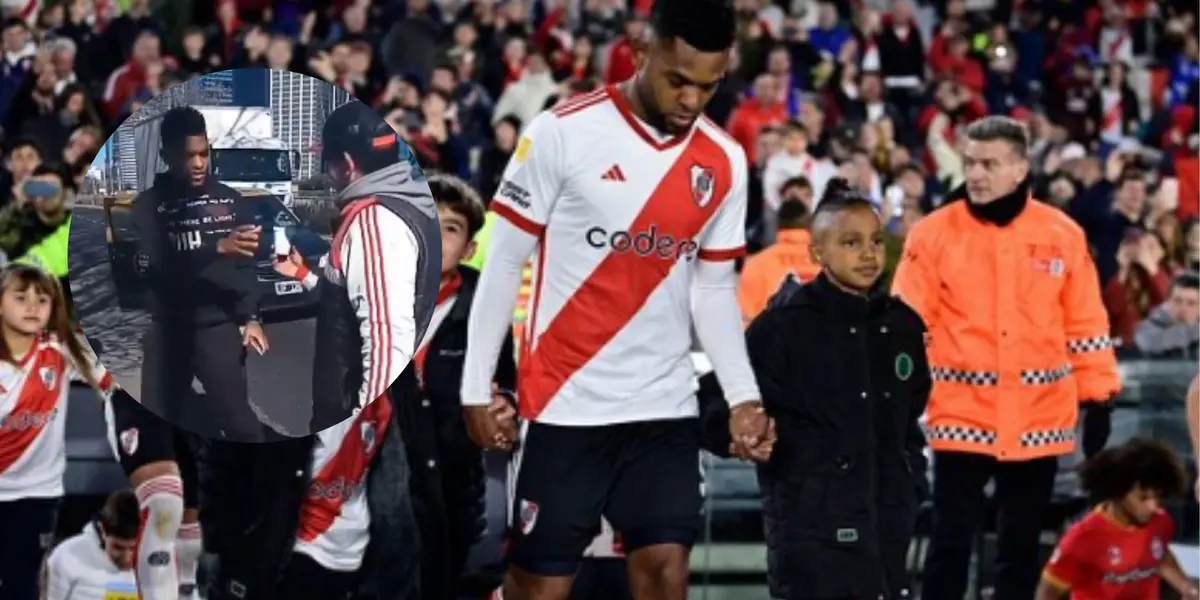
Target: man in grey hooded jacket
(1170, 330)
(333, 513)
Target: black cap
(356, 129)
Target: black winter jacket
(846, 379)
(449, 482)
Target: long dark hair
(20, 278)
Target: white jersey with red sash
(33, 417)
(334, 518)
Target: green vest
(482, 239)
(51, 253)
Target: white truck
(243, 152)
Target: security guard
(1018, 341)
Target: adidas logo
(613, 173)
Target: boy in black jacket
(843, 373)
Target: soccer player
(194, 235)
(636, 206)
(1120, 550)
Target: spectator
(1172, 329)
(412, 43)
(1123, 220)
(125, 82)
(794, 160)
(24, 157)
(19, 52)
(828, 36)
(620, 63)
(527, 95)
(1139, 284)
(757, 111)
(495, 157)
(1116, 109)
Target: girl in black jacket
(843, 373)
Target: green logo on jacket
(904, 366)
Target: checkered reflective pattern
(1090, 344)
(1046, 376)
(952, 433)
(1048, 437)
(978, 378)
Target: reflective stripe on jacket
(1018, 332)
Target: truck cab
(252, 163)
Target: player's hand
(487, 425)
(243, 242)
(751, 431)
(290, 267)
(253, 336)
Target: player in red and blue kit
(1120, 550)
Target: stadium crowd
(875, 92)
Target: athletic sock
(188, 549)
(161, 502)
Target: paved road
(280, 385)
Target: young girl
(40, 353)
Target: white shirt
(376, 262)
(33, 417)
(335, 521)
(628, 228)
(782, 166)
(79, 569)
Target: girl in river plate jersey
(40, 354)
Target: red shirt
(1102, 559)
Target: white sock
(161, 501)
(188, 549)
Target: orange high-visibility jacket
(1018, 332)
(764, 272)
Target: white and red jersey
(372, 258)
(622, 218)
(33, 416)
(334, 519)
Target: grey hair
(62, 44)
(1000, 128)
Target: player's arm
(380, 252)
(1173, 574)
(85, 366)
(716, 315)
(527, 193)
(1067, 566)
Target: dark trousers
(26, 529)
(215, 356)
(305, 578)
(1022, 496)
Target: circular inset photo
(260, 259)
